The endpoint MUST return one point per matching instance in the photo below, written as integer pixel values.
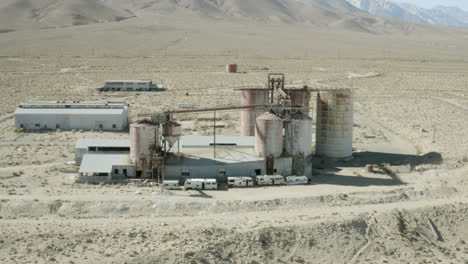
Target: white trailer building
(130, 85)
(99, 115)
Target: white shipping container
(297, 180)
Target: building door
(270, 165)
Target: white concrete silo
(269, 136)
(298, 135)
(334, 136)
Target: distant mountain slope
(282, 11)
(440, 15)
(322, 14)
(18, 14)
(340, 5)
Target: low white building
(233, 157)
(130, 85)
(99, 116)
(85, 146)
(105, 168)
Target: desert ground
(410, 117)
(410, 84)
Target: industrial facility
(274, 147)
(130, 86)
(97, 115)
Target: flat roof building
(98, 115)
(233, 157)
(105, 168)
(85, 146)
(130, 85)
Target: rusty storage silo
(298, 135)
(249, 116)
(298, 141)
(269, 139)
(300, 97)
(143, 140)
(334, 136)
(172, 132)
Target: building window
(37, 125)
(258, 172)
(114, 126)
(222, 173)
(101, 126)
(21, 126)
(116, 171)
(57, 126)
(125, 172)
(185, 173)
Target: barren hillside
(24, 14)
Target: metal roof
(205, 156)
(73, 104)
(69, 111)
(207, 141)
(102, 163)
(132, 81)
(102, 142)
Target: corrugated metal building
(100, 116)
(235, 157)
(100, 146)
(97, 168)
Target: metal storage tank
(143, 137)
(249, 116)
(300, 97)
(269, 136)
(334, 137)
(231, 68)
(298, 135)
(172, 132)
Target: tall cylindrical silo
(143, 139)
(269, 136)
(298, 135)
(300, 97)
(298, 143)
(334, 136)
(249, 116)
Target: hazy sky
(430, 3)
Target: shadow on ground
(357, 181)
(361, 159)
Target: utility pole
(214, 134)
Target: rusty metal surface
(231, 68)
(300, 97)
(172, 132)
(334, 137)
(249, 116)
(269, 136)
(142, 138)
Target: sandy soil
(410, 118)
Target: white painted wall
(74, 121)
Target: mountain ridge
(439, 15)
